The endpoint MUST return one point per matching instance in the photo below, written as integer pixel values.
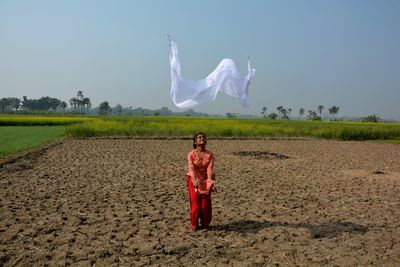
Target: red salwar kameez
(199, 169)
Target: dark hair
(195, 137)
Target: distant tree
(3, 105)
(272, 116)
(279, 110)
(15, 103)
(52, 103)
(79, 95)
(63, 105)
(231, 115)
(289, 112)
(164, 111)
(284, 114)
(43, 104)
(264, 112)
(156, 113)
(9, 104)
(312, 115)
(320, 109)
(73, 102)
(371, 118)
(118, 109)
(86, 103)
(301, 112)
(333, 110)
(104, 108)
(24, 102)
(80, 102)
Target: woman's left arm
(210, 168)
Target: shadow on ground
(330, 229)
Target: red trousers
(200, 207)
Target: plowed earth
(124, 202)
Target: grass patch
(14, 139)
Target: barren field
(124, 202)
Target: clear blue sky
(307, 53)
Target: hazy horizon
(306, 53)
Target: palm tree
(80, 100)
(79, 95)
(333, 110)
(279, 110)
(63, 106)
(320, 109)
(263, 112)
(86, 102)
(73, 102)
(312, 114)
(301, 112)
(284, 114)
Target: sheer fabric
(225, 78)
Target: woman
(200, 182)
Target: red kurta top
(201, 168)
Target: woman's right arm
(191, 170)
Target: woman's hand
(214, 189)
(195, 183)
(211, 188)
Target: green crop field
(18, 138)
(31, 131)
(242, 128)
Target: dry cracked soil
(124, 202)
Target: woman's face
(201, 139)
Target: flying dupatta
(225, 78)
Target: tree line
(285, 113)
(80, 104)
(14, 104)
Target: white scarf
(225, 78)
